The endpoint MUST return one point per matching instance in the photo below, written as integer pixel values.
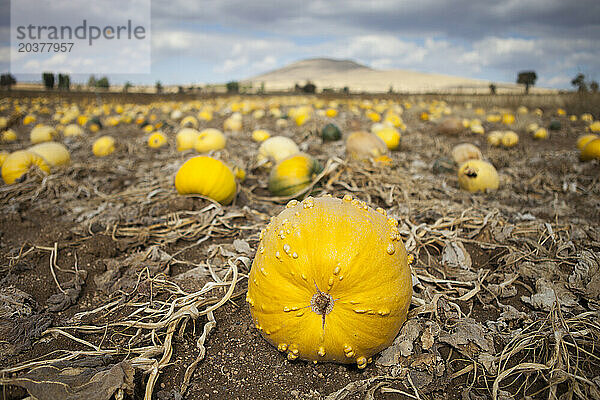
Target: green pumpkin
(331, 132)
(554, 125)
(293, 174)
(96, 120)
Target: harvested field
(107, 272)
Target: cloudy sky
(220, 40)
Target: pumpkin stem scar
(321, 303)
(470, 173)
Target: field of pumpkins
(299, 247)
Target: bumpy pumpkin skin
(19, 163)
(293, 174)
(330, 281)
(206, 176)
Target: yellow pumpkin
(478, 176)
(330, 281)
(41, 133)
(540, 134)
(258, 114)
(363, 145)
(189, 122)
(205, 115)
(9, 136)
(585, 139)
(510, 139)
(186, 139)
(531, 128)
(55, 154)
(157, 140)
(493, 118)
(587, 117)
(293, 174)
(478, 129)
(495, 138)
(508, 119)
(260, 135)
(3, 122)
(210, 139)
(206, 176)
(331, 112)
(373, 116)
(103, 146)
(594, 127)
(72, 130)
(233, 123)
(29, 119)
(275, 149)
(464, 152)
(390, 136)
(17, 164)
(591, 151)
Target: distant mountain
(336, 74)
(312, 69)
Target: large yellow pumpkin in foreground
(206, 176)
(17, 164)
(330, 281)
(56, 154)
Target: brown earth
(108, 213)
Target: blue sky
(212, 41)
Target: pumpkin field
(299, 246)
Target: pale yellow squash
(56, 154)
(591, 151)
(72, 130)
(189, 122)
(209, 140)
(41, 133)
(478, 176)
(206, 176)
(390, 136)
(330, 281)
(582, 141)
(103, 146)
(464, 152)
(157, 140)
(19, 163)
(186, 139)
(9, 135)
(260, 135)
(363, 145)
(275, 149)
(510, 139)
